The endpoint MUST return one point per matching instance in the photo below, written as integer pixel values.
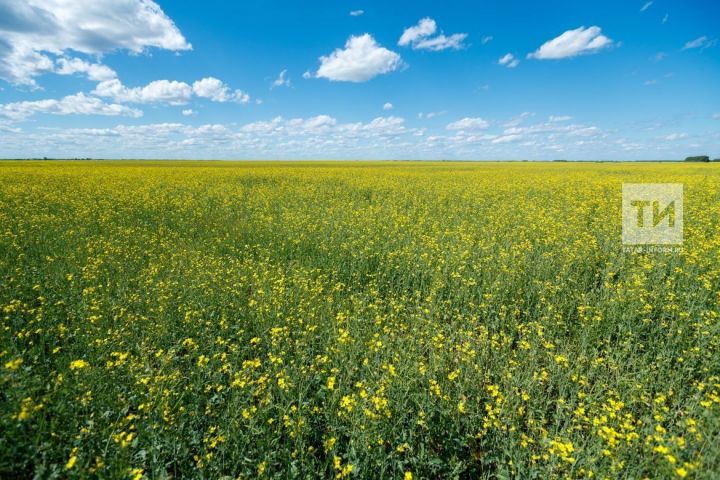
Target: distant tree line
(700, 158)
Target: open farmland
(353, 320)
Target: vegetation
(699, 158)
(359, 320)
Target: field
(353, 320)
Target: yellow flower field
(353, 320)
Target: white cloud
(170, 92)
(424, 28)
(486, 39)
(429, 115)
(217, 91)
(94, 71)
(469, 123)
(650, 82)
(158, 91)
(665, 18)
(572, 43)
(675, 136)
(78, 104)
(700, 42)
(646, 6)
(441, 42)
(360, 60)
(388, 106)
(517, 120)
(281, 81)
(321, 136)
(33, 30)
(509, 60)
(506, 139)
(356, 13)
(307, 75)
(419, 37)
(189, 112)
(324, 137)
(559, 118)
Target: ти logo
(652, 214)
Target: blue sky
(362, 79)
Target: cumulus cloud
(360, 60)
(217, 91)
(170, 92)
(388, 106)
(78, 104)
(424, 28)
(580, 41)
(419, 37)
(321, 136)
(159, 91)
(33, 31)
(281, 80)
(469, 123)
(94, 71)
(189, 112)
(509, 60)
(700, 42)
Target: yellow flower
(78, 364)
(330, 444)
(408, 476)
(73, 458)
(347, 402)
(681, 472)
(14, 364)
(331, 383)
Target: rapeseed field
(353, 320)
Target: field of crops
(353, 320)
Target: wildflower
(329, 444)
(72, 460)
(14, 364)
(78, 364)
(347, 402)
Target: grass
(353, 320)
